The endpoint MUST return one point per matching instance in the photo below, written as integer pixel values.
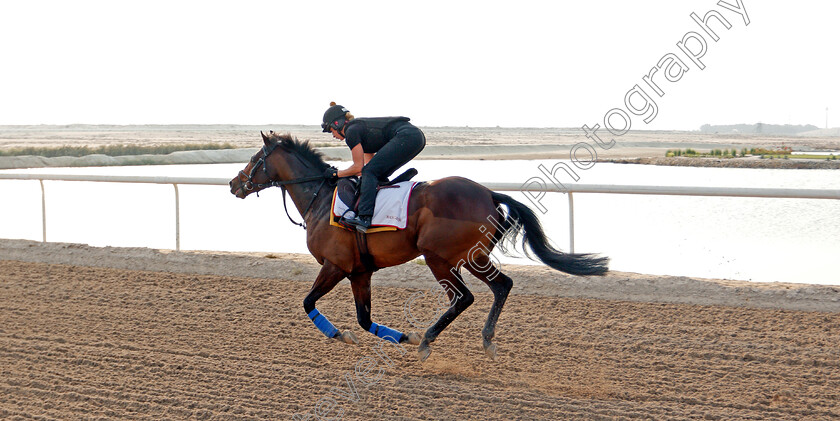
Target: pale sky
(456, 63)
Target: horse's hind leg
(501, 285)
(360, 283)
(459, 298)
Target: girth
(349, 189)
(364, 254)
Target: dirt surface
(528, 279)
(125, 333)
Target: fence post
(43, 213)
(177, 219)
(571, 223)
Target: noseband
(262, 161)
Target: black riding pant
(407, 142)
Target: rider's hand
(331, 173)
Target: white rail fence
(568, 189)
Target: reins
(311, 201)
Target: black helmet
(334, 118)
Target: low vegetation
(112, 150)
(712, 153)
(784, 152)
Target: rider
(378, 145)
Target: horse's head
(275, 162)
(258, 174)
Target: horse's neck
(305, 199)
(302, 193)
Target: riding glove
(331, 173)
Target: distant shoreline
(496, 152)
(482, 143)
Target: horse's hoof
(423, 352)
(348, 337)
(414, 338)
(490, 351)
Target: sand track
(91, 342)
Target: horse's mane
(302, 149)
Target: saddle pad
(390, 213)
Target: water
(754, 239)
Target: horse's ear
(265, 138)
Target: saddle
(347, 191)
(348, 188)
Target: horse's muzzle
(238, 188)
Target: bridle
(250, 185)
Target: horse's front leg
(329, 276)
(360, 282)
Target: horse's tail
(522, 220)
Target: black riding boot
(361, 222)
(367, 200)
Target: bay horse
(451, 221)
